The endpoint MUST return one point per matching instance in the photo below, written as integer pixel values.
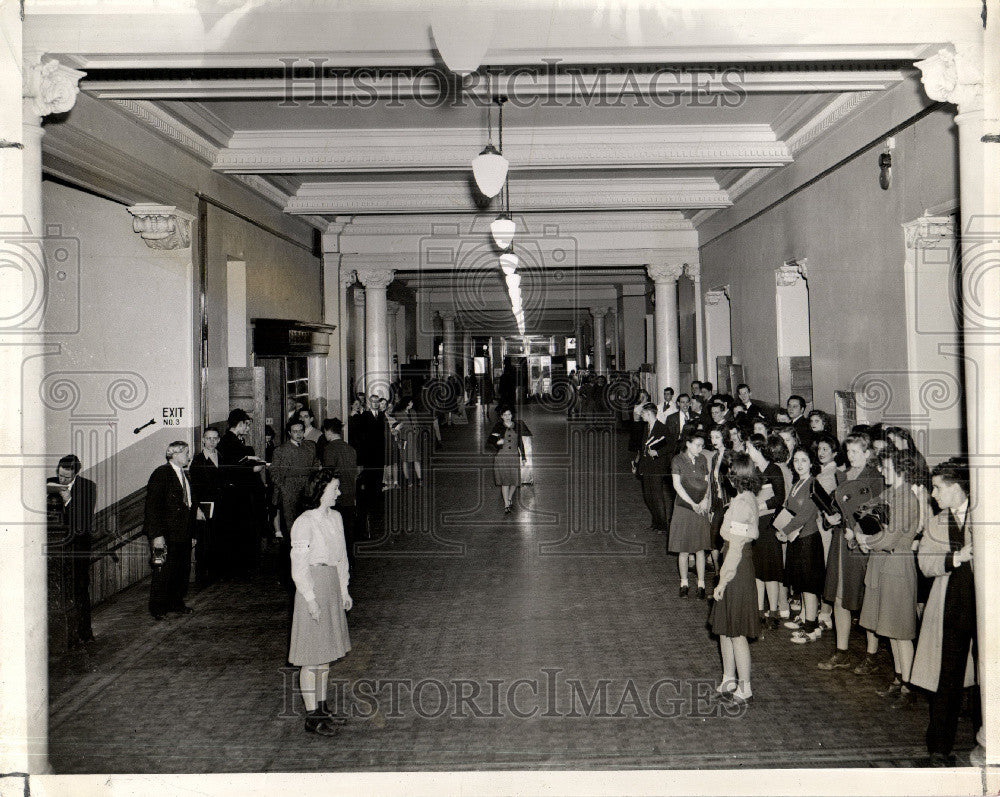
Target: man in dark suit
(653, 469)
(243, 513)
(343, 461)
(746, 411)
(294, 462)
(944, 663)
(372, 429)
(675, 423)
(170, 512)
(796, 406)
(79, 500)
(206, 481)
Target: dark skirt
(689, 531)
(324, 640)
(768, 563)
(507, 468)
(804, 568)
(718, 514)
(736, 614)
(845, 572)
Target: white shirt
(318, 539)
(663, 410)
(185, 485)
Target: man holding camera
(170, 512)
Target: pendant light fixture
(489, 167)
(509, 263)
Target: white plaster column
(665, 276)
(359, 338)
(335, 298)
(616, 341)
(391, 312)
(718, 335)
(958, 77)
(581, 353)
(600, 340)
(424, 343)
(693, 271)
(29, 90)
(448, 347)
(377, 376)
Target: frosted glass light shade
(490, 170)
(509, 263)
(462, 35)
(503, 230)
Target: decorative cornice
(928, 231)
(453, 259)
(435, 149)
(527, 223)
(419, 84)
(162, 226)
(374, 277)
(49, 87)
(954, 76)
(665, 272)
(170, 128)
(527, 194)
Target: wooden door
(246, 391)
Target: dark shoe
(775, 622)
(159, 617)
(891, 690)
(182, 609)
(867, 666)
(906, 698)
(684, 590)
(333, 717)
(506, 510)
(318, 724)
(840, 660)
(700, 593)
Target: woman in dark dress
(690, 531)
(767, 560)
(846, 563)
(718, 469)
(734, 615)
(637, 426)
(506, 442)
(805, 573)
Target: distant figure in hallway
(77, 499)
(319, 620)
(244, 513)
(506, 441)
(294, 462)
(169, 519)
(206, 480)
(342, 459)
(652, 466)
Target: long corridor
(552, 637)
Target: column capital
(447, 316)
(665, 272)
(715, 297)
(692, 271)
(162, 226)
(599, 312)
(790, 273)
(49, 87)
(374, 277)
(955, 76)
(928, 231)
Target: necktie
(187, 489)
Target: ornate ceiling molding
(529, 195)
(527, 223)
(435, 149)
(664, 86)
(449, 259)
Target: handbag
(872, 519)
(823, 500)
(783, 519)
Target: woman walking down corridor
(506, 441)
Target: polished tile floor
(549, 638)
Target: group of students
(863, 529)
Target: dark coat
(496, 437)
(78, 514)
(166, 513)
(657, 440)
(372, 432)
(342, 458)
(206, 478)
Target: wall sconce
(885, 165)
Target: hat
(237, 416)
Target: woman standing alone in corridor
(319, 621)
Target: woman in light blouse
(734, 614)
(319, 622)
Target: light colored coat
(934, 548)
